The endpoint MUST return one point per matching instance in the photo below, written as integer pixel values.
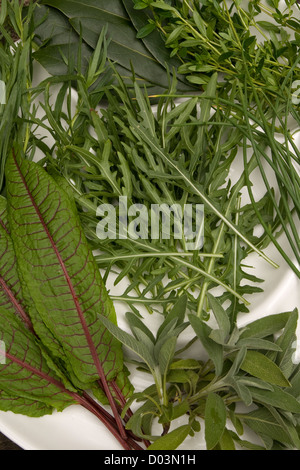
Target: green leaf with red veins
(23, 406)
(24, 371)
(57, 267)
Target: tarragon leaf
(56, 265)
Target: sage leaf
(130, 342)
(260, 366)
(215, 420)
(172, 440)
(23, 406)
(220, 315)
(277, 397)
(57, 267)
(214, 350)
(265, 326)
(264, 423)
(124, 47)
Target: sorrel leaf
(58, 268)
(25, 372)
(25, 359)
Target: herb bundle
(108, 142)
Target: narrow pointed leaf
(266, 326)
(130, 342)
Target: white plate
(77, 429)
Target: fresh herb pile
(145, 133)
